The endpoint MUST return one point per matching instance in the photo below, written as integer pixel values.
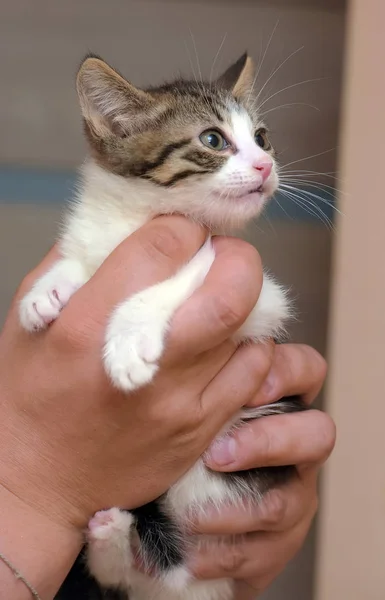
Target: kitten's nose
(264, 167)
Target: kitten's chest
(93, 237)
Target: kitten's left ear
(239, 78)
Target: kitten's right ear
(109, 103)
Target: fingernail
(222, 452)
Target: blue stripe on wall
(46, 186)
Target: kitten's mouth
(258, 190)
(244, 194)
(240, 194)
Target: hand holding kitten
(70, 444)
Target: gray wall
(41, 43)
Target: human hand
(70, 444)
(262, 539)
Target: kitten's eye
(214, 140)
(261, 139)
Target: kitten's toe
(37, 310)
(42, 304)
(131, 357)
(109, 525)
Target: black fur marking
(204, 159)
(80, 585)
(146, 166)
(160, 538)
(179, 176)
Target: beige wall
(352, 527)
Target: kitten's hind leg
(49, 294)
(109, 555)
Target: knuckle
(273, 508)
(232, 557)
(186, 421)
(229, 311)
(164, 243)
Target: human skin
(70, 444)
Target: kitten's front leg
(49, 294)
(137, 329)
(268, 317)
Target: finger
(279, 510)
(288, 439)
(150, 255)
(218, 308)
(253, 557)
(297, 369)
(239, 379)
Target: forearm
(42, 551)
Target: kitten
(199, 149)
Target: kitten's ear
(239, 78)
(109, 103)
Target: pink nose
(264, 167)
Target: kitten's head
(195, 148)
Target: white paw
(50, 294)
(108, 526)
(109, 554)
(43, 304)
(132, 352)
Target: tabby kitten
(199, 149)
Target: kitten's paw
(42, 305)
(107, 526)
(108, 553)
(132, 353)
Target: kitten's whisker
(282, 208)
(196, 55)
(191, 62)
(216, 57)
(311, 207)
(304, 204)
(289, 87)
(262, 61)
(312, 195)
(268, 221)
(201, 85)
(293, 162)
(277, 69)
(323, 187)
(290, 104)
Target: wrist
(42, 550)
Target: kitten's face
(200, 148)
